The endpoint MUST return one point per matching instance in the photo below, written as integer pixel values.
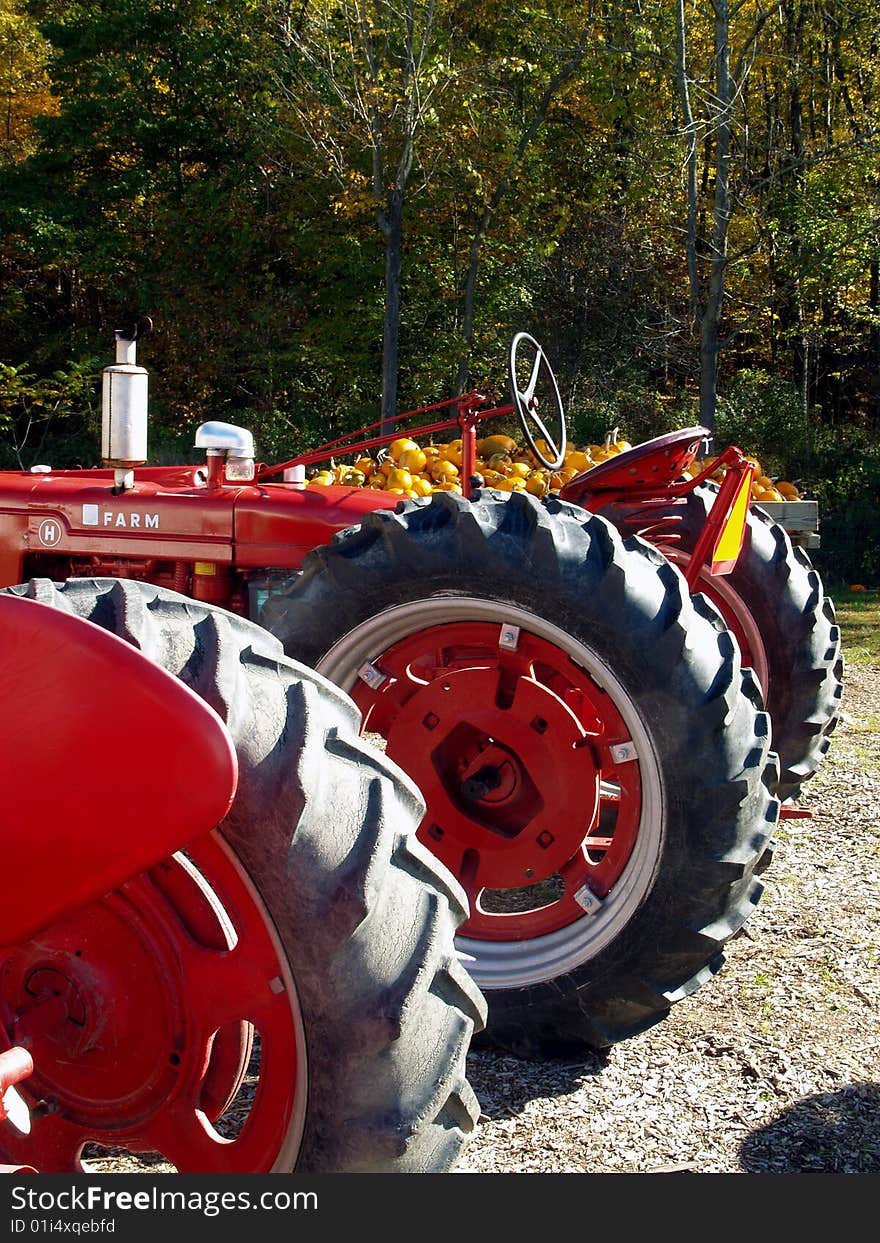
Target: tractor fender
(108, 764)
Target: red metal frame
(470, 414)
(650, 472)
(722, 512)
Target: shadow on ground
(835, 1133)
(504, 1091)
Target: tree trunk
(470, 291)
(391, 224)
(690, 164)
(711, 321)
(874, 353)
(794, 26)
(707, 292)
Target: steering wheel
(528, 363)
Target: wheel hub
(119, 1004)
(53, 1005)
(529, 750)
(138, 1011)
(528, 770)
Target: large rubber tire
(774, 602)
(324, 826)
(622, 613)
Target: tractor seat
(657, 461)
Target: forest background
(338, 209)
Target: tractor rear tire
(617, 621)
(323, 825)
(775, 604)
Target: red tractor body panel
(78, 514)
(169, 528)
(108, 764)
(277, 524)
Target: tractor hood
(170, 513)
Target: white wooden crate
(799, 518)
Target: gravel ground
(774, 1065)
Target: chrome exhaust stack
(124, 408)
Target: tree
(528, 90)
(362, 79)
(784, 169)
(706, 245)
(146, 194)
(24, 81)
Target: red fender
(108, 764)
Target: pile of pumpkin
(410, 469)
(763, 487)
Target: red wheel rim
(138, 1012)
(532, 785)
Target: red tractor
(280, 993)
(590, 690)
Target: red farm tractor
(281, 993)
(590, 690)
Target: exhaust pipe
(124, 408)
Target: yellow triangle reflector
(729, 544)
